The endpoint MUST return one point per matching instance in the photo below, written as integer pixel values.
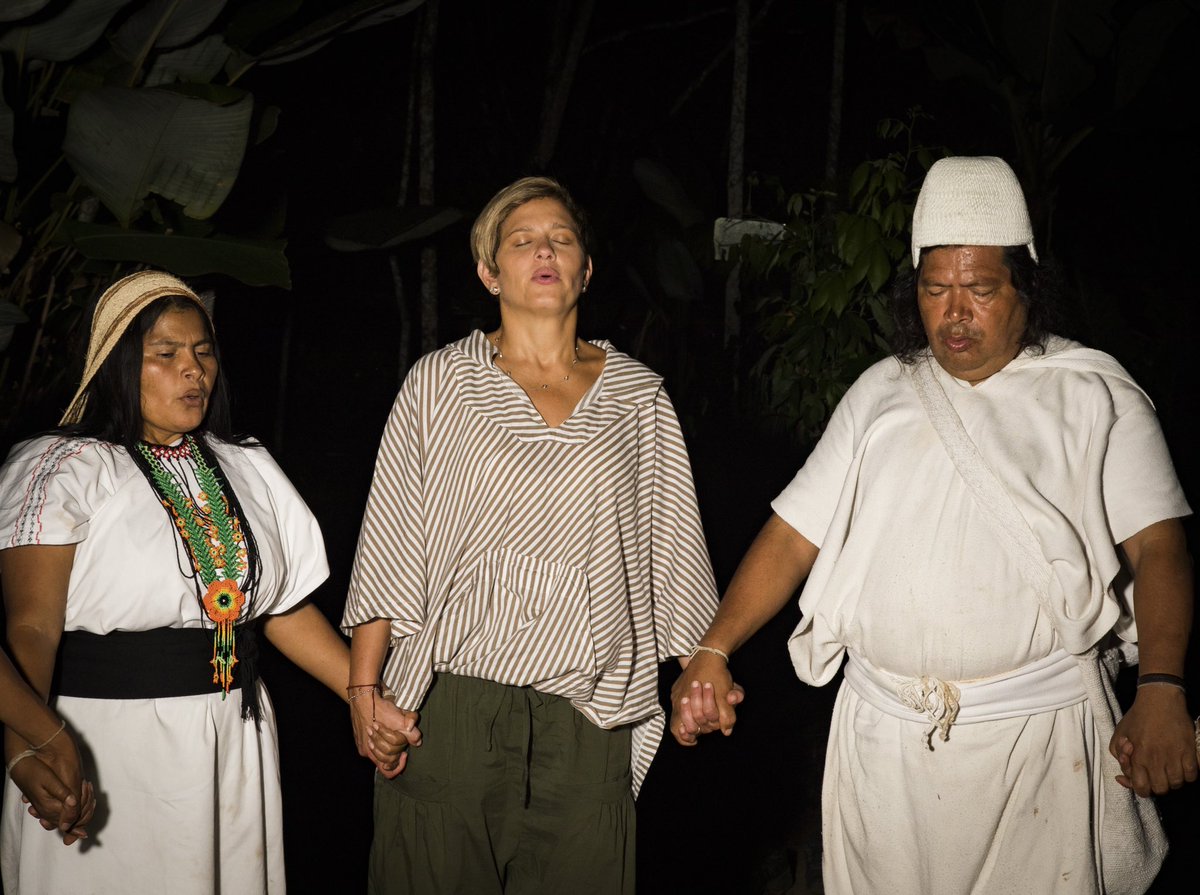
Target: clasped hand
(52, 786)
(703, 699)
(1155, 742)
(383, 732)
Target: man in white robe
(964, 754)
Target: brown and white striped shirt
(568, 559)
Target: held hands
(1155, 742)
(382, 731)
(703, 699)
(51, 784)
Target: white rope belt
(1046, 685)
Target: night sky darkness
(315, 369)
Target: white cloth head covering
(971, 201)
(116, 309)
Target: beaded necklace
(212, 536)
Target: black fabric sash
(155, 664)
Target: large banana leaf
(127, 143)
(197, 64)
(256, 262)
(385, 228)
(65, 36)
(10, 244)
(12, 10)
(10, 316)
(165, 24)
(346, 18)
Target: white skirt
(1001, 807)
(188, 802)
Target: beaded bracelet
(1171, 680)
(708, 649)
(383, 691)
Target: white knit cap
(971, 201)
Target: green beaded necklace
(212, 536)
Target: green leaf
(8, 158)
(256, 262)
(830, 292)
(10, 317)
(251, 20)
(199, 63)
(164, 23)
(10, 313)
(664, 190)
(879, 267)
(66, 35)
(859, 178)
(1141, 45)
(847, 230)
(14, 10)
(678, 275)
(351, 17)
(125, 144)
(10, 244)
(385, 228)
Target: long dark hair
(1039, 286)
(113, 412)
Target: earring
(584, 289)
(495, 290)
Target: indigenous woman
(149, 545)
(531, 550)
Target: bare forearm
(35, 600)
(307, 639)
(368, 646)
(23, 711)
(1162, 596)
(33, 652)
(775, 565)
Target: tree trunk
(735, 182)
(836, 92)
(560, 74)
(429, 311)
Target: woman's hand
(382, 731)
(50, 784)
(703, 699)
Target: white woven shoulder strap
(985, 486)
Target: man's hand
(1155, 742)
(703, 699)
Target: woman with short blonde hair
(531, 550)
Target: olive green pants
(511, 791)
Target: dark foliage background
(315, 368)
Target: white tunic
(188, 795)
(910, 577)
